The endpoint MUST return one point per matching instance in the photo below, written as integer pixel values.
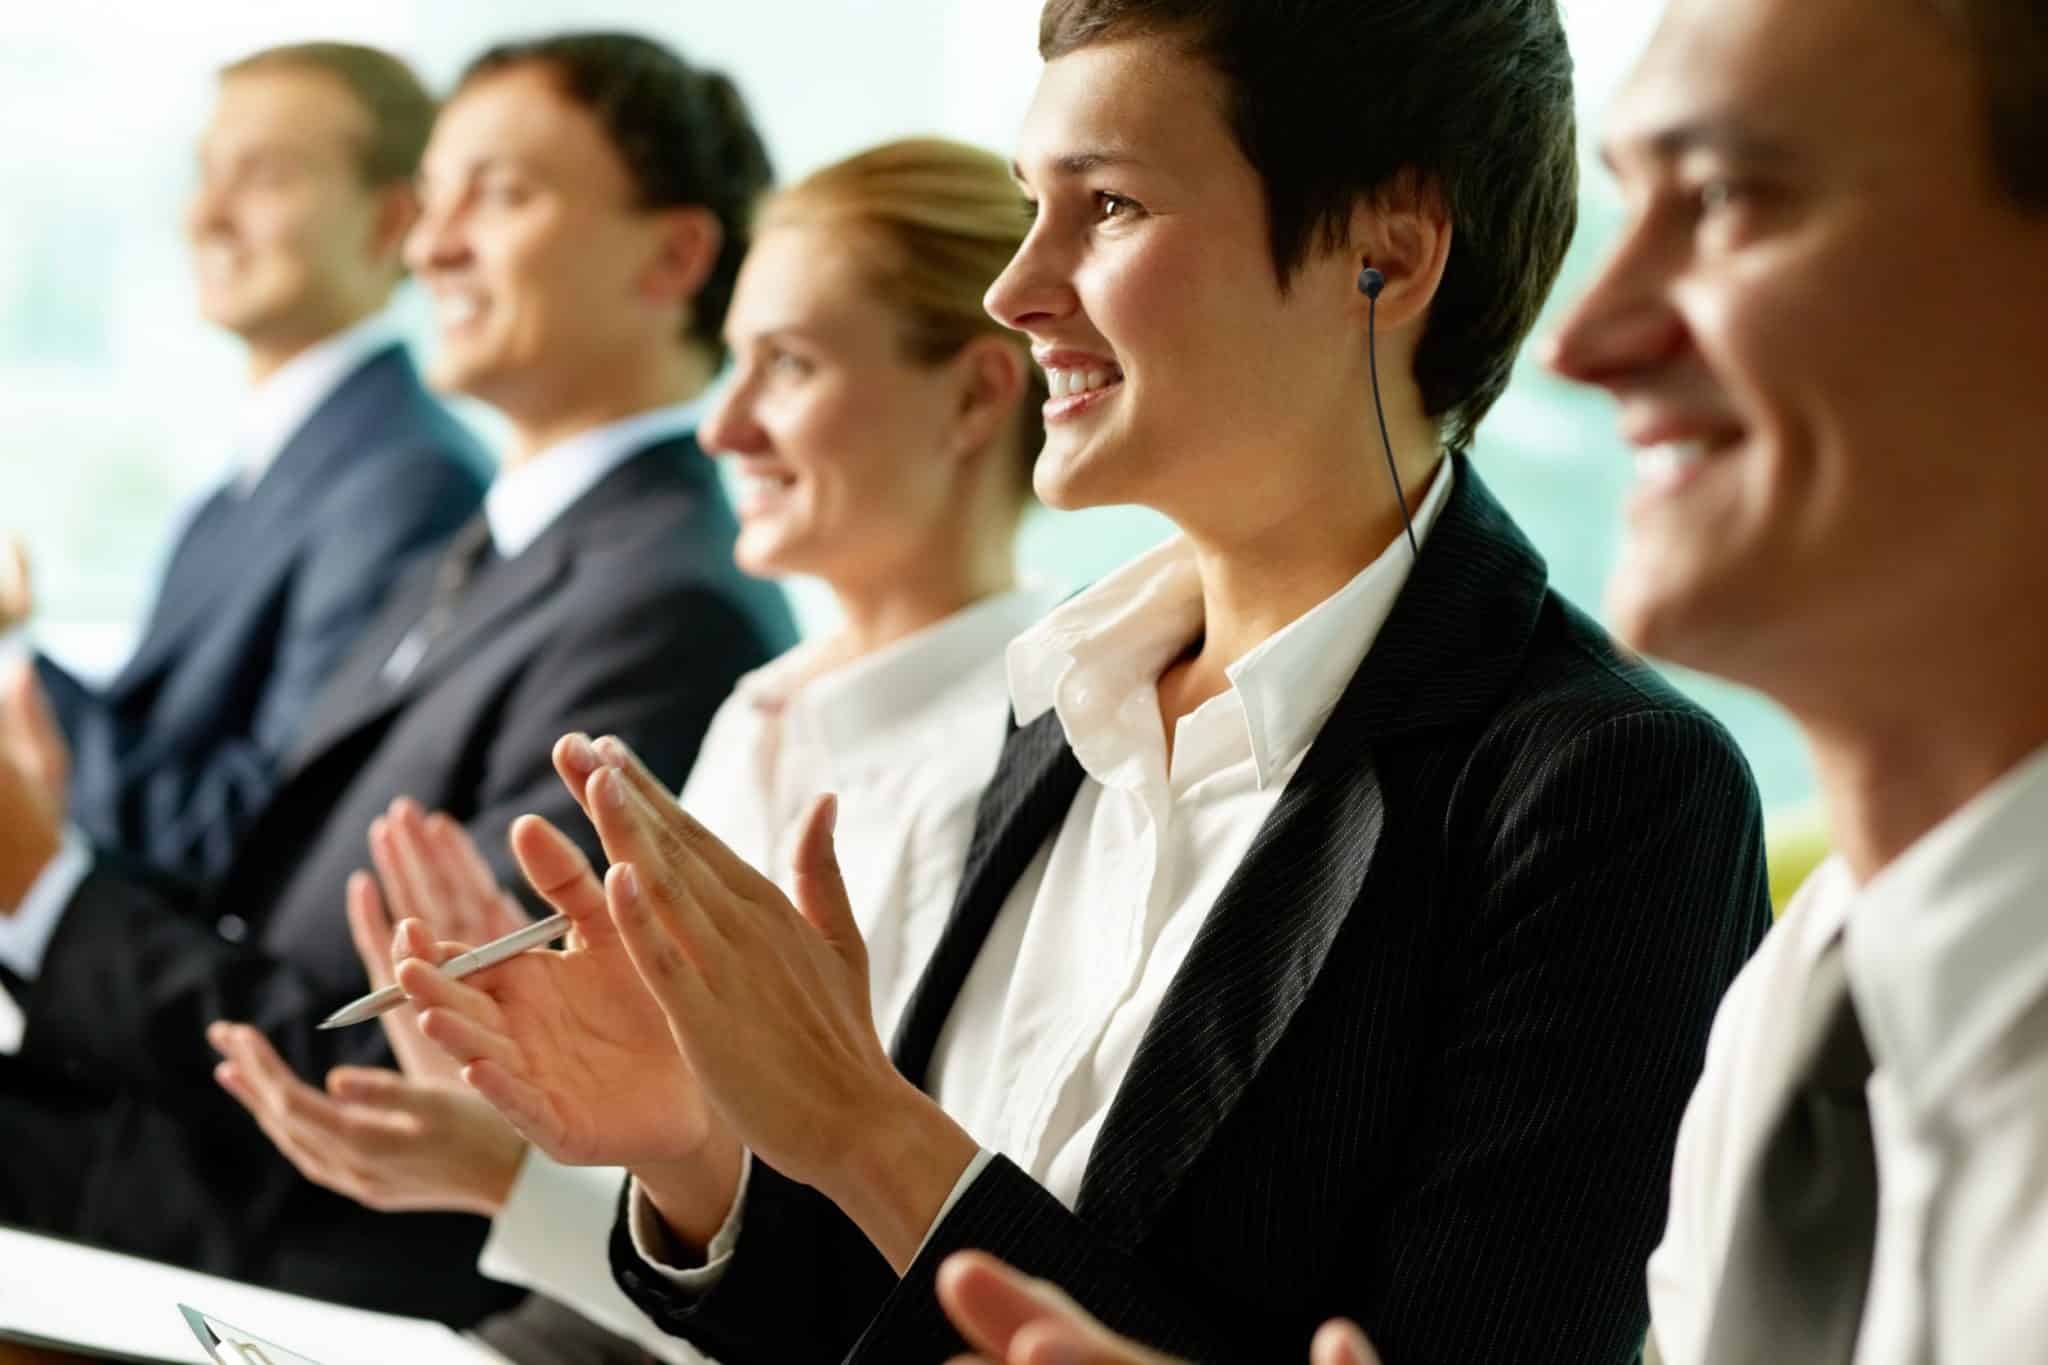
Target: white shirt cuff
(967, 1178)
(25, 935)
(652, 1242)
(551, 1236)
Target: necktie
(467, 556)
(1805, 1229)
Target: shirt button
(233, 928)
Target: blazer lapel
(1448, 650)
(1022, 805)
(230, 541)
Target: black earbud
(1370, 283)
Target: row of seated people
(1316, 918)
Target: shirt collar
(876, 705)
(276, 408)
(1121, 634)
(1946, 946)
(525, 500)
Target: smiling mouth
(1074, 390)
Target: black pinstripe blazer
(1425, 1062)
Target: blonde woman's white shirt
(1947, 958)
(907, 737)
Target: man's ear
(398, 208)
(686, 245)
(992, 376)
(1403, 232)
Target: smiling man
(343, 467)
(585, 208)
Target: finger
(467, 1041)
(821, 888)
(402, 898)
(555, 868)
(441, 901)
(293, 1110)
(374, 1087)
(415, 940)
(522, 1105)
(671, 974)
(681, 888)
(990, 1303)
(496, 914)
(41, 739)
(1341, 1343)
(17, 583)
(575, 761)
(431, 991)
(229, 1077)
(369, 924)
(678, 824)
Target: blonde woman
(883, 429)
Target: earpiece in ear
(1371, 282)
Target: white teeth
(453, 310)
(1664, 465)
(1063, 383)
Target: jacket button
(233, 928)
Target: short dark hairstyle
(684, 133)
(2009, 41)
(400, 109)
(1338, 101)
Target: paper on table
(62, 1293)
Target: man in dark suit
(344, 466)
(1342, 928)
(585, 209)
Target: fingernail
(629, 883)
(611, 789)
(613, 750)
(831, 812)
(578, 752)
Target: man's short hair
(400, 109)
(2009, 41)
(1338, 101)
(684, 133)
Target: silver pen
(535, 935)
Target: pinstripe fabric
(1425, 1062)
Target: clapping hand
(1011, 1319)
(393, 1140)
(769, 1002)
(35, 780)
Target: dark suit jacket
(627, 617)
(1425, 1061)
(263, 597)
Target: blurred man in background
(343, 467)
(585, 207)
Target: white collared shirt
(1081, 955)
(527, 498)
(277, 408)
(1082, 952)
(907, 737)
(1947, 959)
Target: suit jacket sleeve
(188, 809)
(1616, 887)
(134, 976)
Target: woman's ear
(1400, 240)
(991, 373)
(686, 245)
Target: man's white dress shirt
(522, 502)
(1080, 956)
(907, 737)
(1947, 958)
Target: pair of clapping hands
(695, 1013)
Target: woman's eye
(1110, 206)
(788, 363)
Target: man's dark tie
(1798, 1264)
(468, 555)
